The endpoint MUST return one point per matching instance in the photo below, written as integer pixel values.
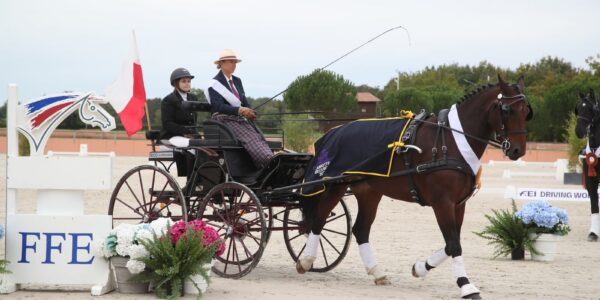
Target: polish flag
(127, 94)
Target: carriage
(244, 204)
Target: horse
(37, 119)
(588, 117)
(500, 109)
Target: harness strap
(411, 137)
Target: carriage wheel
(235, 212)
(144, 194)
(335, 237)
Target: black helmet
(180, 73)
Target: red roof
(366, 97)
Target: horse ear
(592, 94)
(501, 81)
(521, 83)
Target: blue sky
(53, 46)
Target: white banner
(551, 194)
(56, 249)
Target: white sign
(56, 249)
(551, 194)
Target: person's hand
(248, 113)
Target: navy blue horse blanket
(363, 147)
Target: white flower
(135, 266)
(160, 225)
(138, 251)
(144, 234)
(98, 247)
(123, 250)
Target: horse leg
(449, 218)
(591, 184)
(326, 204)
(368, 201)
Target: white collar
(227, 78)
(461, 141)
(183, 95)
(589, 150)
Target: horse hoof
(472, 296)
(592, 237)
(382, 281)
(414, 272)
(299, 268)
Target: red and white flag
(127, 94)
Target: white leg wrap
(307, 262)
(367, 255)
(437, 258)
(312, 244)
(375, 272)
(420, 269)
(595, 227)
(458, 267)
(468, 289)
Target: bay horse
(496, 109)
(588, 117)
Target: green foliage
(24, 149)
(322, 91)
(3, 266)
(575, 143)
(169, 265)
(410, 98)
(506, 232)
(299, 135)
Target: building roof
(366, 97)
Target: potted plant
(184, 252)
(508, 234)
(3, 262)
(547, 224)
(123, 246)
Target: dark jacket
(174, 118)
(218, 104)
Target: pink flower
(209, 237)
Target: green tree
(410, 98)
(323, 91)
(299, 134)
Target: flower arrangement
(508, 234)
(125, 240)
(542, 217)
(182, 252)
(3, 262)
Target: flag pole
(147, 115)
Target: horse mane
(475, 92)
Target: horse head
(509, 116)
(91, 113)
(587, 112)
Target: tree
(323, 91)
(410, 98)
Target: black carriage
(243, 203)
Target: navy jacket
(175, 118)
(218, 104)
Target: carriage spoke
(133, 209)
(246, 251)
(134, 195)
(295, 237)
(227, 259)
(324, 255)
(142, 187)
(301, 250)
(333, 231)
(159, 196)
(330, 244)
(333, 219)
(236, 256)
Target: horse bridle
(595, 113)
(505, 110)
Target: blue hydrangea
(542, 214)
(1, 231)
